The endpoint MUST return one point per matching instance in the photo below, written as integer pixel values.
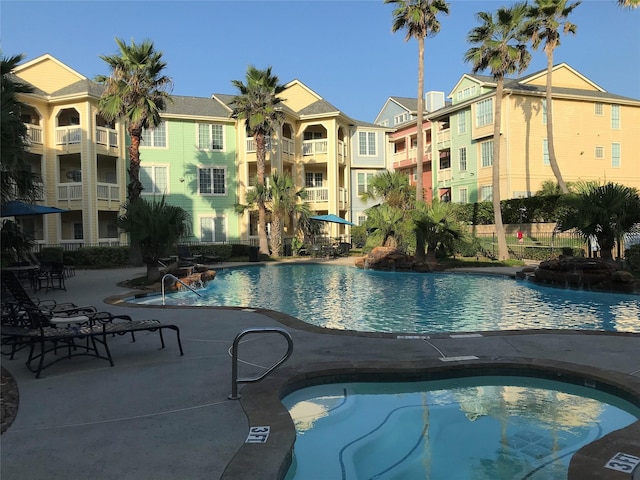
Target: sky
(344, 50)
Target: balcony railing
(70, 191)
(106, 136)
(342, 149)
(108, 191)
(343, 198)
(314, 147)
(34, 133)
(317, 194)
(288, 146)
(251, 144)
(68, 135)
(444, 136)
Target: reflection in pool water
(469, 428)
(344, 297)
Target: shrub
(632, 257)
(98, 257)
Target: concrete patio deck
(156, 415)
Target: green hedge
(223, 251)
(632, 258)
(537, 209)
(98, 257)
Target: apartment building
(596, 136)
(77, 153)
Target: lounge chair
(185, 257)
(45, 334)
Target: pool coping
(262, 404)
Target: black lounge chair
(45, 334)
(185, 257)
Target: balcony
(71, 135)
(251, 144)
(288, 146)
(70, 191)
(342, 151)
(106, 136)
(444, 139)
(108, 191)
(314, 147)
(343, 198)
(34, 133)
(317, 194)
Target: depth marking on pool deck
(466, 335)
(456, 359)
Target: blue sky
(343, 50)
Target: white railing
(68, 135)
(70, 191)
(251, 144)
(288, 146)
(317, 194)
(313, 147)
(444, 136)
(106, 136)
(108, 191)
(343, 198)
(34, 132)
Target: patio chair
(185, 257)
(52, 274)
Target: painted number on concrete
(258, 435)
(623, 462)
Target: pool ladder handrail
(179, 281)
(234, 357)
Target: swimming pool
(464, 428)
(344, 297)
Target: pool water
(344, 297)
(469, 428)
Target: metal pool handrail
(234, 355)
(179, 281)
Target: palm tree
(551, 188)
(438, 225)
(629, 3)
(284, 200)
(502, 50)
(257, 106)
(156, 227)
(392, 188)
(419, 18)
(136, 91)
(385, 224)
(16, 180)
(546, 19)
(606, 212)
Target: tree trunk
(420, 134)
(553, 161)
(503, 251)
(420, 242)
(276, 234)
(134, 188)
(263, 245)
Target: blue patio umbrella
(331, 218)
(16, 208)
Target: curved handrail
(177, 280)
(234, 354)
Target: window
(486, 193)
(155, 137)
(545, 152)
(544, 111)
(615, 155)
(367, 141)
(363, 182)
(211, 181)
(486, 153)
(210, 137)
(154, 179)
(599, 152)
(462, 159)
(361, 219)
(484, 112)
(213, 229)
(462, 122)
(313, 179)
(384, 123)
(615, 116)
(78, 233)
(464, 198)
(599, 109)
(403, 117)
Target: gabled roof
(321, 107)
(482, 80)
(561, 66)
(409, 104)
(44, 58)
(85, 86)
(196, 107)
